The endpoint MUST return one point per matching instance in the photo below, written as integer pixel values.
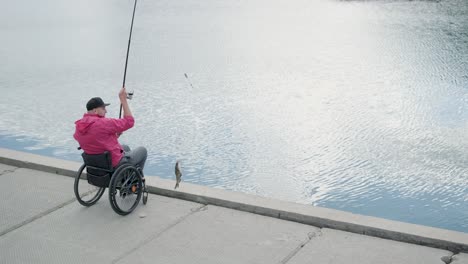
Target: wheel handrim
(86, 193)
(125, 190)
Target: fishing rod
(126, 60)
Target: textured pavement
(41, 222)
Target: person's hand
(123, 95)
(124, 103)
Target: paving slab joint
(304, 214)
(31, 219)
(310, 236)
(156, 235)
(315, 234)
(450, 258)
(8, 171)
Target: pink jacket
(97, 134)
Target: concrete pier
(41, 222)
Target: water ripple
(355, 105)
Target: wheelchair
(125, 183)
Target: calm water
(355, 105)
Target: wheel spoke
(130, 190)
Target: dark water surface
(354, 105)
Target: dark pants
(135, 157)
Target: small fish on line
(186, 76)
(178, 175)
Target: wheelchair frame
(120, 181)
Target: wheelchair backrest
(98, 164)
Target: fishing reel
(130, 95)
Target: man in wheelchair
(97, 134)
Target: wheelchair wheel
(125, 189)
(145, 196)
(85, 193)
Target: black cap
(95, 102)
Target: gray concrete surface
(4, 169)
(41, 222)
(26, 194)
(52, 228)
(461, 258)
(310, 215)
(38, 162)
(76, 234)
(334, 246)
(220, 235)
(315, 216)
